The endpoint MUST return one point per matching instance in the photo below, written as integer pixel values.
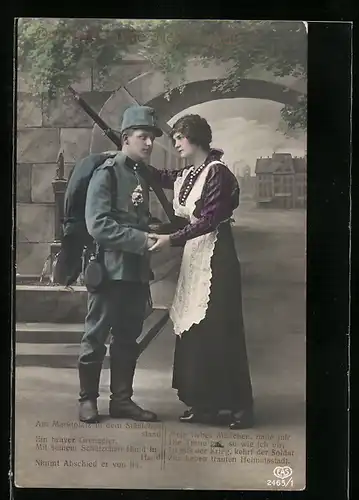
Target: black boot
(89, 375)
(198, 415)
(243, 419)
(121, 386)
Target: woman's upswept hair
(196, 130)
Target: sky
(246, 129)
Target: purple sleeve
(165, 178)
(220, 197)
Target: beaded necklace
(190, 180)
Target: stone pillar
(59, 185)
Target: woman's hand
(163, 241)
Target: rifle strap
(157, 189)
(113, 186)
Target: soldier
(120, 303)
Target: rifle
(167, 206)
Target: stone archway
(149, 88)
(201, 91)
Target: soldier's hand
(150, 242)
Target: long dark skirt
(210, 361)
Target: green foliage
(295, 117)
(54, 51)
(278, 47)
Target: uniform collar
(132, 164)
(129, 162)
(126, 160)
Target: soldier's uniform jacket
(123, 237)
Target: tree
(54, 50)
(279, 47)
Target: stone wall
(44, 128)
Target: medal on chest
(137, 195)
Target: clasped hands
(157, 242)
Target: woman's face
(183, 146)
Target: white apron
(192, 294)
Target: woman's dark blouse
(220, 196)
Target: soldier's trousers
(119, 307)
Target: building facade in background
(281, 181)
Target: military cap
(138, 117)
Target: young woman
(210, 372)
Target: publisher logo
(282, 472)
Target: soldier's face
(140, 144)
(183, 146)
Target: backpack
(76, 243)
